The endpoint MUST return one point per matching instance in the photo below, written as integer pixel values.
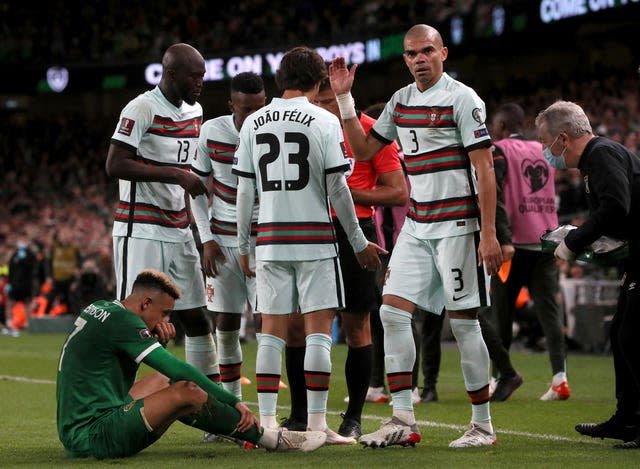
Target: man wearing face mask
(612, 182)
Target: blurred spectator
(87, 288)
(64, 261)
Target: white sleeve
(342, 203)
(200, 210)
(244, 210)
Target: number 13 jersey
(159, 134)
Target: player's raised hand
(340, 76)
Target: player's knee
(194, 322)
(191, 394)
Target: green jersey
(98, 365)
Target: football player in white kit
(228, 289)
(151, 152)
(293, 152)
(449, 232)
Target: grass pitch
(531, 433)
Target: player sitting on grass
(101, 412)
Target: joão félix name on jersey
(288, 115)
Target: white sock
(230, 359)
(474, 360)
(268, 371)
(399, 357)
(200, 351)
(317, 374)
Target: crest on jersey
(126, 126)
(478, 115)
(145, 334)
(210, 291)
(349, 171)
(434, 116)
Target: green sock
(220, 419)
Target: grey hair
(564, 116)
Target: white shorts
(180, 261)
(285, 287)
(229, 291)
(437, 273)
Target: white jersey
(216, 146)
(288, 147)
(163, 135)
(437, 129)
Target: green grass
(531, 433)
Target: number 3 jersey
(288, 147)
(437, 128)
(159, 134)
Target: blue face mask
(557, 162)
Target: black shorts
(359, 285)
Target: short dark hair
(512, 116)
(375, 110)
(247, 83)
(156, 280)
(301, 69)
(325, 84)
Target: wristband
(346, 106)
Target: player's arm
(390, 191)
(364, 146)
(177, 370)
(122, 164)
(342, 203)
(244, 212)
(489, 251)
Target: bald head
(183, 69)
(179, 55)
(424, 31)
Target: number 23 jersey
(288, 147)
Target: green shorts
(121, 432)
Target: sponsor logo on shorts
(458, 298)
(126, 126)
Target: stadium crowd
(137, 32)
